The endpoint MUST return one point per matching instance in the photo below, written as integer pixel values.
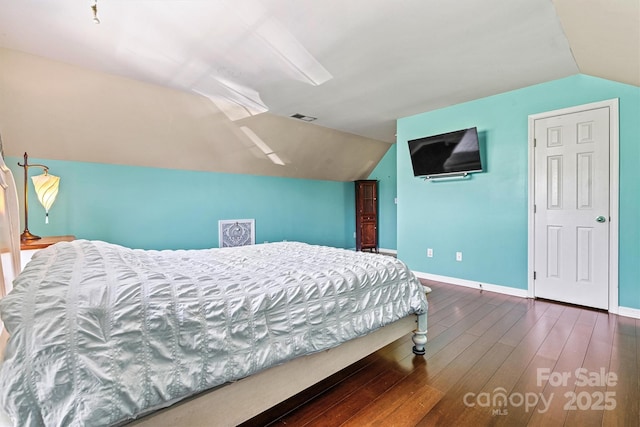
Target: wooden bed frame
(239, 401)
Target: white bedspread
(102, 333)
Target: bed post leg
(420, 335)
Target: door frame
(614, 183)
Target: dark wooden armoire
(367, 215)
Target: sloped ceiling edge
(63, 112)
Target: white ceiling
(356, 65)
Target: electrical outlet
(395, 200)
(458, 256)
(430, 253)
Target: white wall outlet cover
(458, 256)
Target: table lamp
(46, 186)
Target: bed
(100, 334)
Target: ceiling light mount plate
(303, 117)
(94, 9)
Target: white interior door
(571, 207)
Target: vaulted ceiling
(355, 65)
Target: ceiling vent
(303, 117)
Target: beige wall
(57, 111)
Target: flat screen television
(449, 153)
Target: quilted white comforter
(101, 333)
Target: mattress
(101, 334)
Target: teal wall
(155, 208)
(386, 175)
(485, 217)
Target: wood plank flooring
(491, 360)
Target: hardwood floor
(552, 365)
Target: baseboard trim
(381, 250)
(621, 311)
(522, 293)
(388, 251)
(629, 312)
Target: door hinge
(534, 275)
(535, 142)
(534, 208)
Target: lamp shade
(46, 186)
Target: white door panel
(571, 191)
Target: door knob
(601, 219)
